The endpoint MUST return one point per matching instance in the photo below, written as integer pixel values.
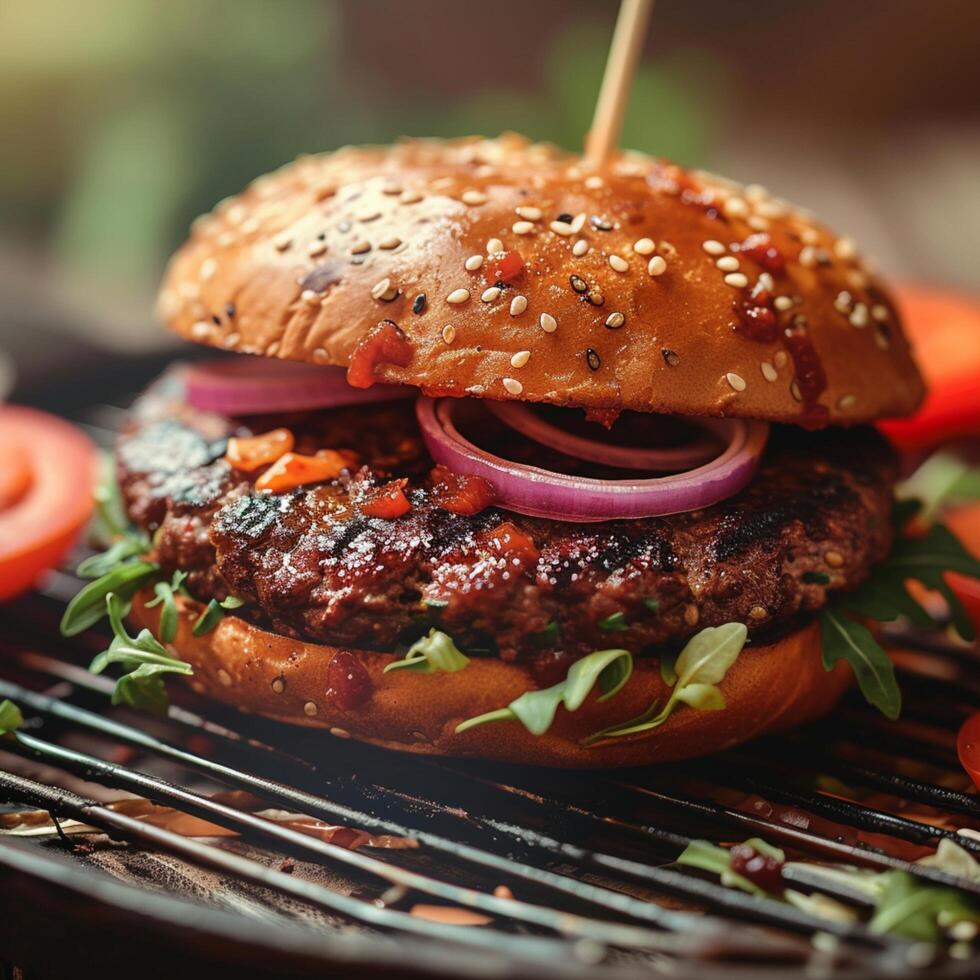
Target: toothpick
(607, 123)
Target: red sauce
(602, 416)
(505, 267)
(384, 343)
(757, 319)
(760, 249)
(388, 501)
(810, 375)
(763, 871)
(550, 666)
(348, 683)
(506, 539)
(461, 494)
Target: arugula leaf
(668, 668)
(845, 639)
(652, 603)
(942, 479)
(435, 652)
(699, 668)
(109, 521)
(166, 594)
(611, 669)
(910, 908)
(718, 860)
(614, 623)
(143, 658)
(130, 545)
(89, 605)
(10, 717)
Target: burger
(511, 457)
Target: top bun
(640, 285)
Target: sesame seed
(615, 320)
(857, 279)
(846, 401)
(513, 386)
(384, 290)
(562, 228)
(691, 614)
(845, 249)
(600, 224)
(578, 222)
(580, 247)
(780, 359)
(808, 256)
(757, 223)
(448, 333)
(278, 685)
(366, 216)
(735, 380)
(671, 358)
(208, 268)
(390, 243)
(518, 305)
(458, 296)
(594, 297)
(578, 284)
(657, 266)
(224, 677)
(842, 301)
(619, 263)
(859, 316)
(410, 197)
(880, 312)
(391, 189)
(727, 263)
(756, 192)
(490, 295)
(593, 182)
(201, 329)
(768, 371)
(316, 248)
(473, 263)
(644, 246)
(531, 214)
(320, 355)
(310, 708)
(735, 207)
(766, 282)
(494, 246)
(311, 296)
(419, 304)
(592, 357)
(794, 390)
(474, 197)
(548, 323)
(360, 247)
(834, 558)
(713, 247)
(282, 241)
(522, 227)
(739, 280)
(757, 613)
(783, 303)
(809, 236)
(520, 358)
(565, 218)
(226, 238)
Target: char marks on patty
(310, 564)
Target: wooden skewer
(631, 28)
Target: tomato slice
(945, 332)
(48, 493)
(968, 747)
(964, 522)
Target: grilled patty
(309, 564)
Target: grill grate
(589, 856)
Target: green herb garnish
(816, 578)
(10, 717)
(616, 623)
(143, 658)
(130, 545)
(213, 613)
(535, 710)
(89, 605)
(699, 668)
(432, 653)
(546, 638)
(652, 603)
(166, 596)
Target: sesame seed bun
(629, 296)
(769, 688)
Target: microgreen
(547, 637)
(167, 598)
(432, 653)
(614, 623)
(144, 660)
(213, 613)
(10, 717)
(89, 605)
(698, 670)
(610, 669)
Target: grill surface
(572, 873)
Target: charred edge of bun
(639, 287)
(769, 688)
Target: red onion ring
(521, 418)
(557, 496)
(250, 385)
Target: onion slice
(250, 385)
(673, 460)
(557, 496)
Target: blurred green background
(123, 119)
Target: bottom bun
(768, 688)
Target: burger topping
(546, 493)
(388, 501)
(250, 453)
(460, 494)
(293, 470)
(384, 343)
(504, 267)
(431, 654)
